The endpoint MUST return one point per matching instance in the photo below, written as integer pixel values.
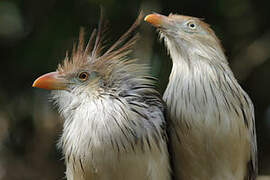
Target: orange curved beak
(50, 81)
(158, 20)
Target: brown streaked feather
(101, 29)
(90, 42)
(118, 53)
(92, 53)
(78, 57)
(125, 35)
(122, 46)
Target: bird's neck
(189, 52)
(91, 130)
(109, 122)
(198, 85)
(88, 124)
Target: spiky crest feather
(92, 55)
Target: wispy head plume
(95, 54)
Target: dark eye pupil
(83, 76)
(192, 25)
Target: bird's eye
(83, 76)
(191, 25)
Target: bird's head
(93, 69)
(79, 70)
(186, 35)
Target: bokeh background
(34, 37)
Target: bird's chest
(92, 156)
(85, 140)
(88, 154)
(204, 149)
(197, 108)
(84, 149)
(93, 142)
(204, 130)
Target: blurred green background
(35, 34)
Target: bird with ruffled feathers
(114, 125)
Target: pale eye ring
(83, 76)
(191, 25)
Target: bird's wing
(248, 114)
